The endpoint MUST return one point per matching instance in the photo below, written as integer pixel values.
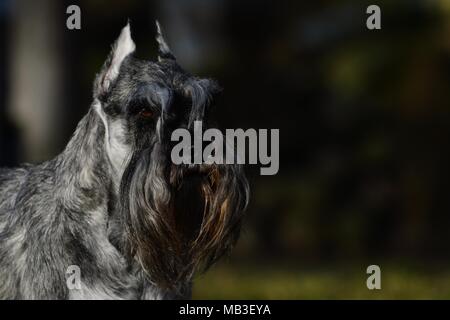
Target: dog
(113, 204)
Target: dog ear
(123, 46)
(164, 51)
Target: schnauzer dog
(113, 203)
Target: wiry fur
(112, 202)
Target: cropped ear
(164, 51)
(123, 46)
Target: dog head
(179, 219)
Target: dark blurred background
(363, 115)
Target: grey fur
(112, 202)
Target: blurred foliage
(272, 281)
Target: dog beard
(179, 219)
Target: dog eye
(146, 113)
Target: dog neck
(81, 165)
(96, 154)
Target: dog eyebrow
(165, 96)
(154, 95)
(201, 92)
